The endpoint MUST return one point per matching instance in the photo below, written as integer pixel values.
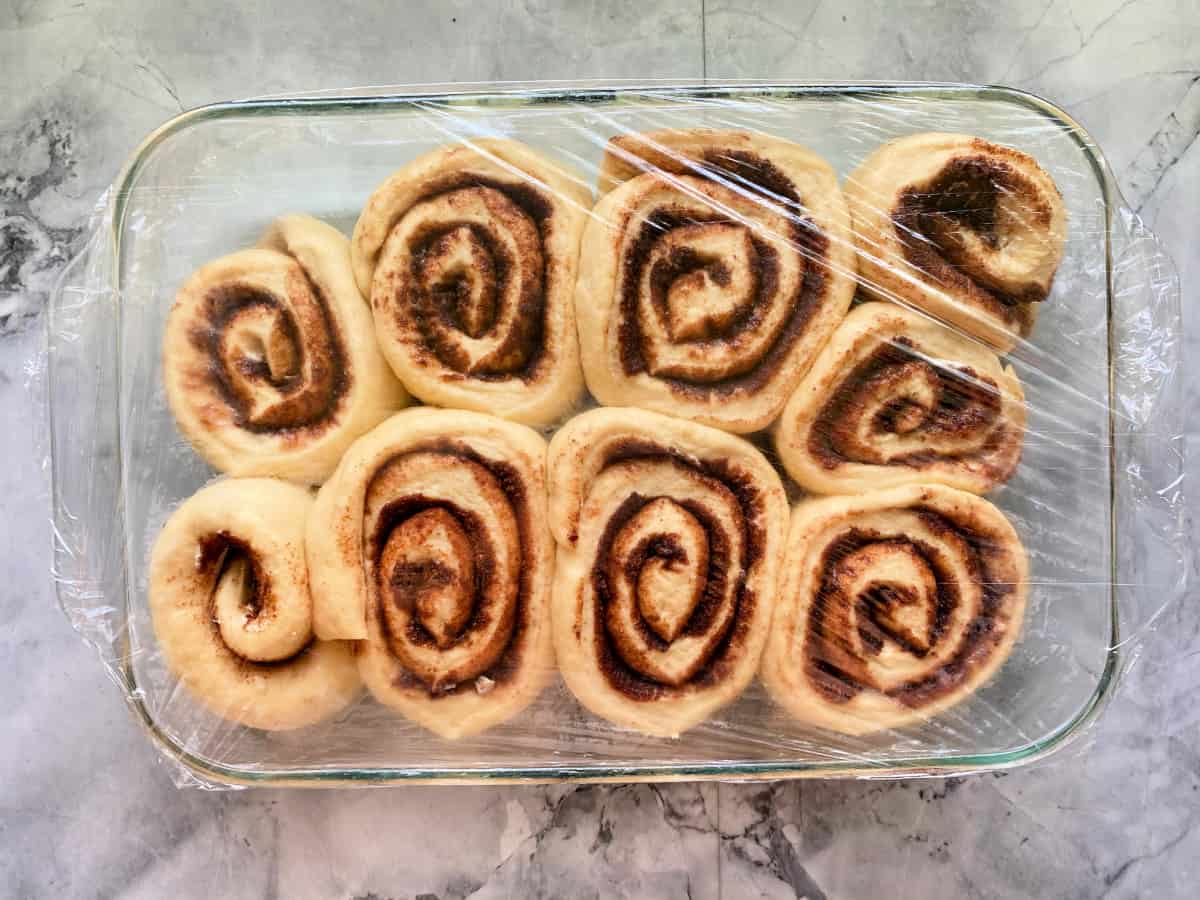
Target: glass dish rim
(601, 91)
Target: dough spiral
(669, 536)
(229, 598)
(895, 606)
(269, 356)
(965, 229)
(895, 398)
(711, 274)
(429, 545)
(469, 256)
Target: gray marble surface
(85, 808)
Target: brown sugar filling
(727, 648)
(403, 509)
(963, 196)
(522, 353)
(839, 678)
(740, 170)
(307, 405)
(968, 403)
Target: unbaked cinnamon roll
(229, 598)
(712, 272)
(669, 536)
(469, 255)
(269, 357)
(429, 544)
(895, 606)
(968, 230)
(896, 398)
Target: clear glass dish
(208, 182)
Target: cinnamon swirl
(469, 255)
(229, 597)
(429, 544)
(269, 356)
(712, 273)
(968, 230)
(669, 536)
(895, 606)
(896, 398)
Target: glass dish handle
(1154, 561)
(81, 408)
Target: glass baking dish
(209, 181)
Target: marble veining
(89, 811)
(32, 251)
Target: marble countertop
(86, 810)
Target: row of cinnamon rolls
(710, 281)
(453, 562)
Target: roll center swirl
(899, 408)
(446, 557)
(274, 353)
(987, 220)
(474, 279)
(253, 622)
(428, 566)
(706, 299)
(664, 551)
(702, 279)
(669, 570)
(903, 611)
(459, 275)
(892, 596)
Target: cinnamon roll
(469, 256)
(669, 535)
(712, 272)
(895, 398)
(429, 544)
(968, 230)
(895, 606)
(269, 357)
(229, 598)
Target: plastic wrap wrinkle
(1097, 498)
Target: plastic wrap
(1096, 498)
